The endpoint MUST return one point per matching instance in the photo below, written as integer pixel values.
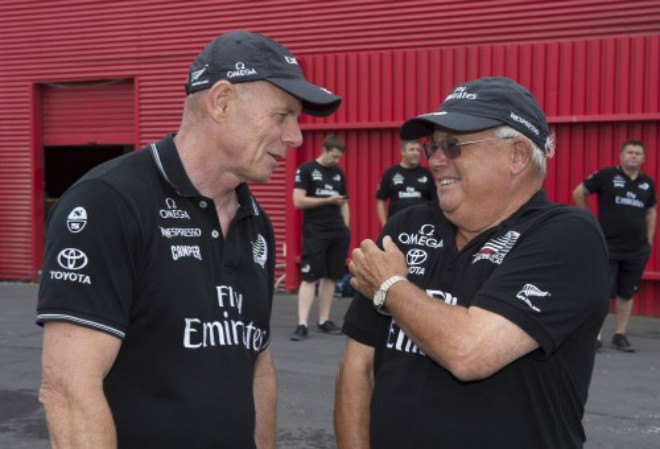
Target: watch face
(379, 302)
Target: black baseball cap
(244, 56)
(482, 104)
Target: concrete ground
(623, 410)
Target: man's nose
(293, 136)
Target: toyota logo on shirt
(72, 259)
(416, 256)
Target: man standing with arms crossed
(405, 184)
(626, 212)
(320, 192)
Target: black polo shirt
(321, 182)
(622, 204)
(406, 187)
(544, 269)
(134, 250)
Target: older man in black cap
(478, 315)
(156, 307)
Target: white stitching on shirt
(57, 316)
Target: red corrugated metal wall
(153, 41)
(88, 113)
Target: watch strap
(385, 286)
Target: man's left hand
(371, 266)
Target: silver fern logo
(260, 251)
(528, 291)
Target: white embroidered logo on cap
(461, 93)
(197, 73)
(194, 77)
(290, 60)
(532, 128)
(241, 70)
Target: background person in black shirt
(405, 184)
(626, 212)
(320, 192)
(494, 295)
(157, 282)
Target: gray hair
(538, 155)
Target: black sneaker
(620, 342)
(300, 333)
(329, 327)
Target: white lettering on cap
(241, 70)
(461, 93)
(524, 122)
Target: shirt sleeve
(553, 280)
(432, 190)
(271, 273)
(652, 199)
(301, 180)
(342, 187)
(362, 322)
(89, 265)
(382, 193)
(594, 181)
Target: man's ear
(222, 95)
(521, 155)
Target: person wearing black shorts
(405, 184)
(477, 315)
(158, 273)
(320, 192)
(626, 212)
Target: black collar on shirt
(166, 157)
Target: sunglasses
(451, 147)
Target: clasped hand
(371, 266)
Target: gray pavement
(623, 411)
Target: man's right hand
(337, 200)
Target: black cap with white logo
(482, 104)
(244, 56)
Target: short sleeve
(362, 322)
(301, 179)
(382, 192)
(652, 199)
(594, 181)
(554, 279)
(432, 190)
(89, 264)
(342, 187)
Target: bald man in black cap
(477, 315)
(158, 280)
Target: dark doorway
(63, 165)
